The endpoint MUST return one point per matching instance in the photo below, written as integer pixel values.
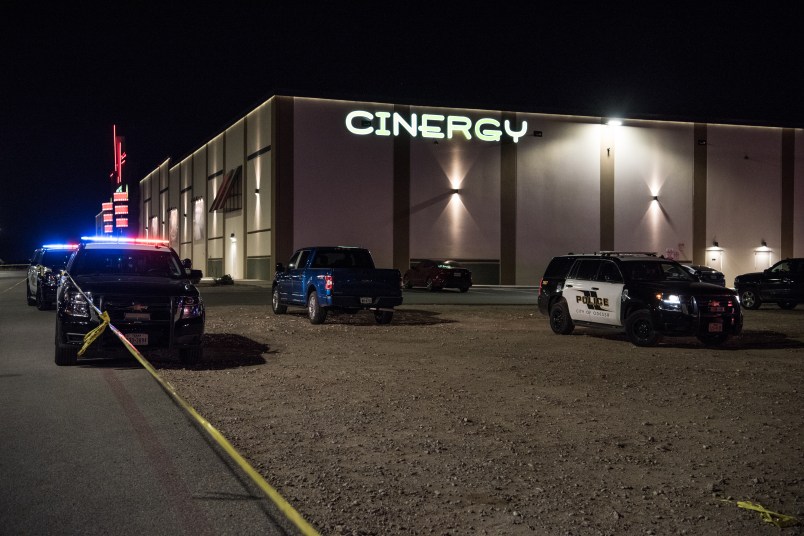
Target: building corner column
(699, 194)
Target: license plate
(717, 309)
(366, 301)
(138, 339)
(715, 327)
(457, 275)
(137, 316)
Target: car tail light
(539, 290)
(328, 282)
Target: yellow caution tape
(90, 337)
(304, 527)
(780, 520)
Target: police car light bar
(125, 240)
(60, 246)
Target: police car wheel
(560, 321)
(31, 299)
(640, 329)
(788, 304)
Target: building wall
(446, 225)
(343, 183)
(345, 186)
(798, 194)
(744, 196)
(558, 192)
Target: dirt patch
(480, 420)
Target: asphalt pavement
(101, 448)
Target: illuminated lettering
(350, 119)
(428, 130)
(487, 134)
(459, 123)
(515, 134)
(410, 127)
(383, 130)
(432, 126)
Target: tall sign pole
(115, 212)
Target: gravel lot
(479, 420)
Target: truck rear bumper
(372, 302)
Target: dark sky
(171, 75)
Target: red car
(435, 275)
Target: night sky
(172, 75)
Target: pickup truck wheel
(713, 339)
(31, 299)
(190, 357)
(750, 299)
(560, 320)
(788, 304)
(407, 283)
(430, 285)
(383, 317)
(464, 289)
(316, 313)
(276, 305)
(640, 328)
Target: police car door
(593, 298)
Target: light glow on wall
(763, 257)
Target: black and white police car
(144, 288)
(645, 295)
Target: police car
(644, 295)
(43, 273)
(144, 288)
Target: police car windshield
(55, 259)
(126, 262)
(655, 271)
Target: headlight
(190, 307)
(670, 302)
(76, 304)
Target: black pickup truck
(336, 278)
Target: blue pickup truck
(341, 279)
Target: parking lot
(473, 419)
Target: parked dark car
(782, 284)
(644, 295)
(706, 274)
(146, 292)
(437, 275)
(43, 273)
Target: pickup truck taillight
(328, 282)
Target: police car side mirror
(280, 267)
(195, 276)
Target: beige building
(501, 191)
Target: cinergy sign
(437, 126)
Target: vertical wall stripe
(282, 183)
(607, 188)
(788, 190)
(508, 207)
(699, 186)
(401, 202)
(244, 187)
